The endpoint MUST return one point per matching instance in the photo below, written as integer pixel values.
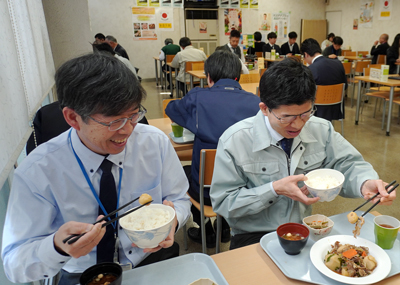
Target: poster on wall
(154, 3)
(141, 3)
(265, 22)
(244, 3)
(165, 19)
(385, 9)
(233, 20)
(224, 3)
(165, 3)
(254, 4)
(355, 24)
(366, 14)
(178, 3)
(144, 23)
(281, 25)
(234, 4)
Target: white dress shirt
(49, 189)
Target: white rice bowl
(324, 183)
(148, 226)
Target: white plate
(321, 247)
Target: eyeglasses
(290, 118)
(120, 123)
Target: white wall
(363, 38)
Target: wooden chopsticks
(74, 237)
(373, 197)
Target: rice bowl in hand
(148, 226)
(324, 183)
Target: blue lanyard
(91, 185)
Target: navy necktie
(286, 145)
(108, 197)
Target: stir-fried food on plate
(350, 260)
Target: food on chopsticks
(318, 224)
(102, 279)
(355, 219)
(325, 182)
(294, 236)
(145, 198)
(146, 218)
(352, 217)
(350, 260)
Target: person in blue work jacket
(261, 161)
(208, 112)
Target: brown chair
(262, 70)
(249, 78)
(381, 59)
(184, 155)
(169, 58)
(259, 54)
(192, 65)
(330, 95)
(374, 66)
(207, 158)
(364, 53)
(349, 53)
(347, 67)
(344, 51)
(358, 70)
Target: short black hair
(292, 35)
(257, 36)
(168, 41)
(97, 83)
(234, 34)
(223, 64)
(288, 82)
(271, 35)
(104, 47)
(310, 46)
(330, 35)
(184, 42)
(100, 36)
(337, 41)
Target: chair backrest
(375, 66)
(249, 78)
(165, 102)
(381, 59)
(262, 70)
(329, 94)
(367, 71)
(347, 67)
(207, 158)
(170, 57)
(194, 65)
(259, 54)
(344, 51)
(350, 53)
(360, 65)
(362, 52)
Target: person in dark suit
(334, 50)
(291, 47)
(116, 46)
(271, 44)
(326, 71)
(379, 47)
(392, 55)
(258, 44)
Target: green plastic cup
(250, 65)
(345, 60)
(177, 130)
(386, 229)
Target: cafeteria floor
(377, 148)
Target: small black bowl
(292, 247)
(102, 268)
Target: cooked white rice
(325, 182)
(145, 219)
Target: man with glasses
(258, 181)
(104, 161)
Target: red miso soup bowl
(296, 236)
(102, 269)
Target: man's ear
(264, 109)
(72, 118)
(209, 81)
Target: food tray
(183, 270)
(299, 266)
(188, 137)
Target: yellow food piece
(145, 198)
(352, 217)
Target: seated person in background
(256, 174)
(188, 53)
(169, 49)
(245, 70)
(234, 46)
(392, 55)
(328, 41)
(291, 47)
(208, 112)
(271, 44)
(325, 72)
(258, 44)
(99, 39)
(334, 50)
(117, 47)
(379, 47)
(58, 188)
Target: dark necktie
(108, 197)
(237, 51)
(286, 145)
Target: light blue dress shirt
(49, 190)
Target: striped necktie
(286, 145)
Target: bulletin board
(315, 29)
